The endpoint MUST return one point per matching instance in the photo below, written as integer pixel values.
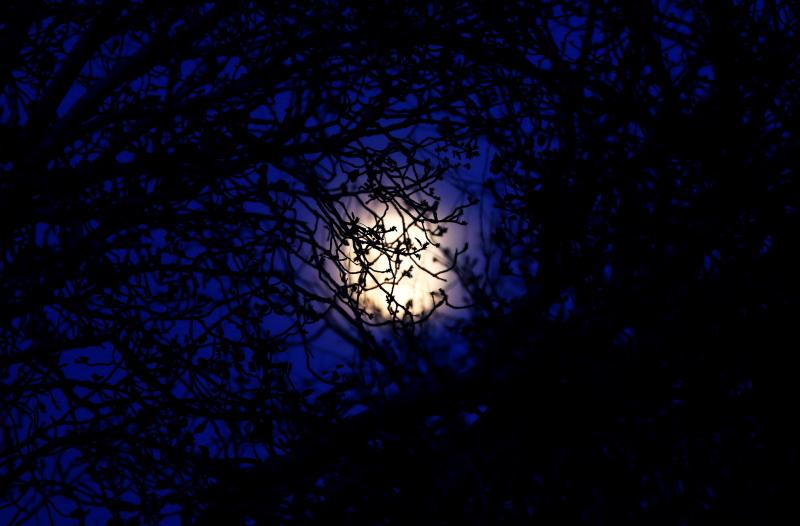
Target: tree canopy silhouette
(191, 191)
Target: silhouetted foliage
(177, 190)
(184, 190)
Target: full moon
(403, 277)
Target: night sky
(390, 263)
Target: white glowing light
(401, 280)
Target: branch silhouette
(191, 194)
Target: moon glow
(399, 271)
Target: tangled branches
(175, 191)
